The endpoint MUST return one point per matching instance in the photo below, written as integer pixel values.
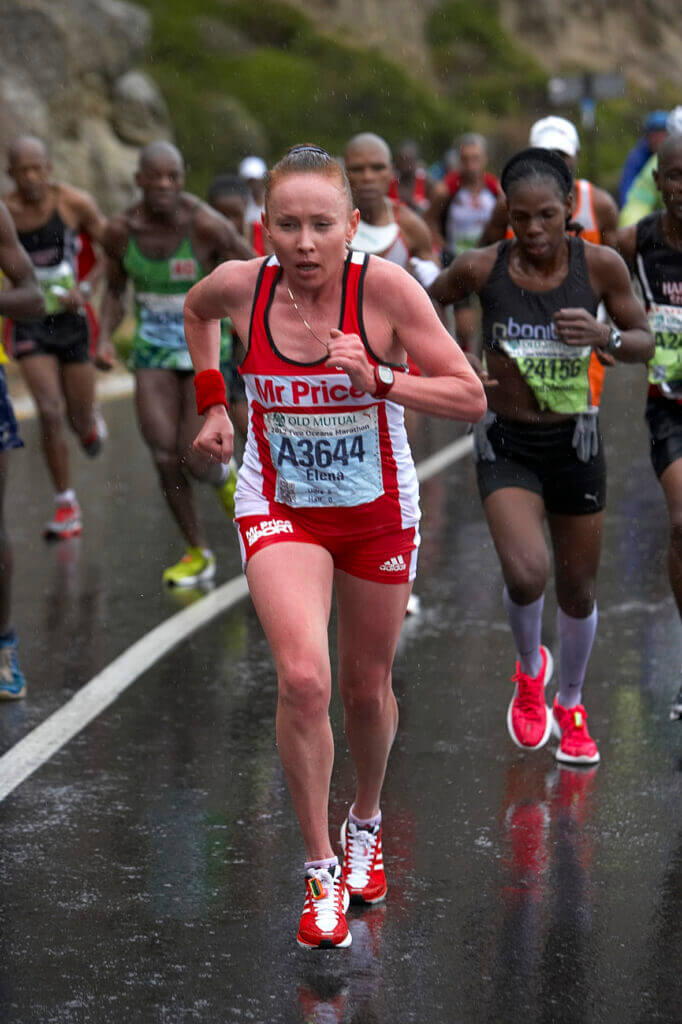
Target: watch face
(385, 374)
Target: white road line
(26, 756)
(446, 456)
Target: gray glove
(586, 435)
(483, 450)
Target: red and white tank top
(584, 213)
(337, 456)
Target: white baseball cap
(252, 167)
(555, 133)
(673, 125)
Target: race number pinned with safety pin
(326, 459)
(665, 369)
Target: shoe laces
(324, 897)
(528, 693)
(577, 719)
(361, 846)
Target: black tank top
(520, 323)
(53, 249)
(659, 267)
(513, 312)
(51, 244)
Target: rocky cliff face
(641, 38)
(67, 74)
(70, 69)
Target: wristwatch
(615, 342)
(384, 380)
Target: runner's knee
(304, 689)
(526, 576)
(51, 413)
(367, 695)
(576, 596)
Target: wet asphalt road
(151, 871)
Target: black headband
(537, 158)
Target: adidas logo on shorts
(395, 564)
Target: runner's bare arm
(228, 288)
(449, 387)
(114, 242)
(611, 280)
(465, 275)
(606, 213)
(221, 237)
(626, 244)
(91, 223)
(25, 299)
(434, 214)
(416, 234)
(91, 220)
(496, 228)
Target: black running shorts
(63, 335)
(664, 416)
(541, 458)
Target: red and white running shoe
(529, 720)
(363, 863)
(576, 746)
(66, 522)
(323, 921)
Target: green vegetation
(243, 76)
(290, 83)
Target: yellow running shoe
(196, 566)
(226, 490)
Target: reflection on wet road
(151, 871)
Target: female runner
(539, 453)
(327, 495)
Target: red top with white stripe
(337, 456)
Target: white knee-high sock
(526, 626)
(576, 637)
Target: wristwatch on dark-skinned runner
(615, 342)
(384, 380)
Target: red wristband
(210, 390)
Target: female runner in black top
(540, 454)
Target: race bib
(161, 319)
(326, 459)
(665, 369)
(56, 282)
(558, 374)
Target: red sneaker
(529, 721)
(363, 863)
(576, 746)
(323, 921)
(66, 522)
